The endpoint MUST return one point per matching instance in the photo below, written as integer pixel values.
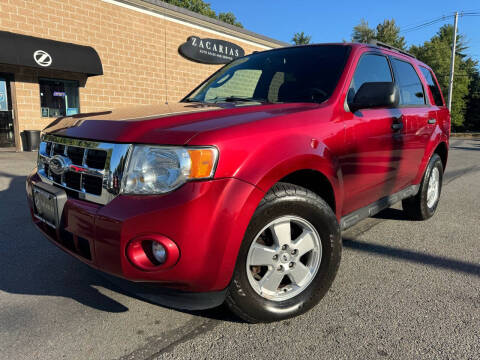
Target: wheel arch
(438, 144)
(314, 181)
(442, 151)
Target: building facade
(62, 57)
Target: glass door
(7, 135)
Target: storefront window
(59, 97)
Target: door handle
(432, 121)
(397, 126)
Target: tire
(421, 206)
(310, 219)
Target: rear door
(417, 117)
(374, 141)
(436, 102)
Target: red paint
(258, 145)
(137, 255)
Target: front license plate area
(48, 203)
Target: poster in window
(3, 96)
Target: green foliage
(472, 115)
(197, 6)
(301, 39)
(437, 54)
(229, 18)
(362, 33)
(387, 32)
(203, 8)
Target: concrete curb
(465, 135)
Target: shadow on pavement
(476, 148)
(391, 214)
(413, 256)
(31, 265)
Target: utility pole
(452, 63)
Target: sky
(333, 21)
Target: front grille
(73, 180)
(83, 157)
(92, 184)
(91, 169)
(58, 149)
(96, 159)
(76, 154)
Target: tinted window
(59, 97)
(434, 89)
(409, 85)
(297, 74)
(370, 68)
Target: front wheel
(289, 257)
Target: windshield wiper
(191, 100)
(238, 99)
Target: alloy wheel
(284, 258)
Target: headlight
(160, 169)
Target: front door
(7, 135)
(375, 142)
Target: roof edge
(179, 13)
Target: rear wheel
(289, 256)
(423, 205)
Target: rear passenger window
(432, 84)
(409, 84)
(370, 68)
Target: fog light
(159, 252)
(152, 252)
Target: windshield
(296, 74)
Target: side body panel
(373, 164)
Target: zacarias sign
(210, 51)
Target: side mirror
(375, 95)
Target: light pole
(452, 63)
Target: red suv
(239, 192)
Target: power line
(426, 23)
(421, 22)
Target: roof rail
(387, 46)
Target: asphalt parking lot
(405, 290)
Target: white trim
(169, 18)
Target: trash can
(32, 140)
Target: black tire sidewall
(435, 162)
(317, 213)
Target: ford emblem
(59, 164)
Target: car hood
(172, 124)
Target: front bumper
(207, 221)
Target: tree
(197, 6)
(437, 53)
(472, 114)
(229, 18)
(301, 39)
(203, 8)
(362, 33)
(389, 33)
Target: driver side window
(370, 68)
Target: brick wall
(139, 53)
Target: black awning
(40, 53)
